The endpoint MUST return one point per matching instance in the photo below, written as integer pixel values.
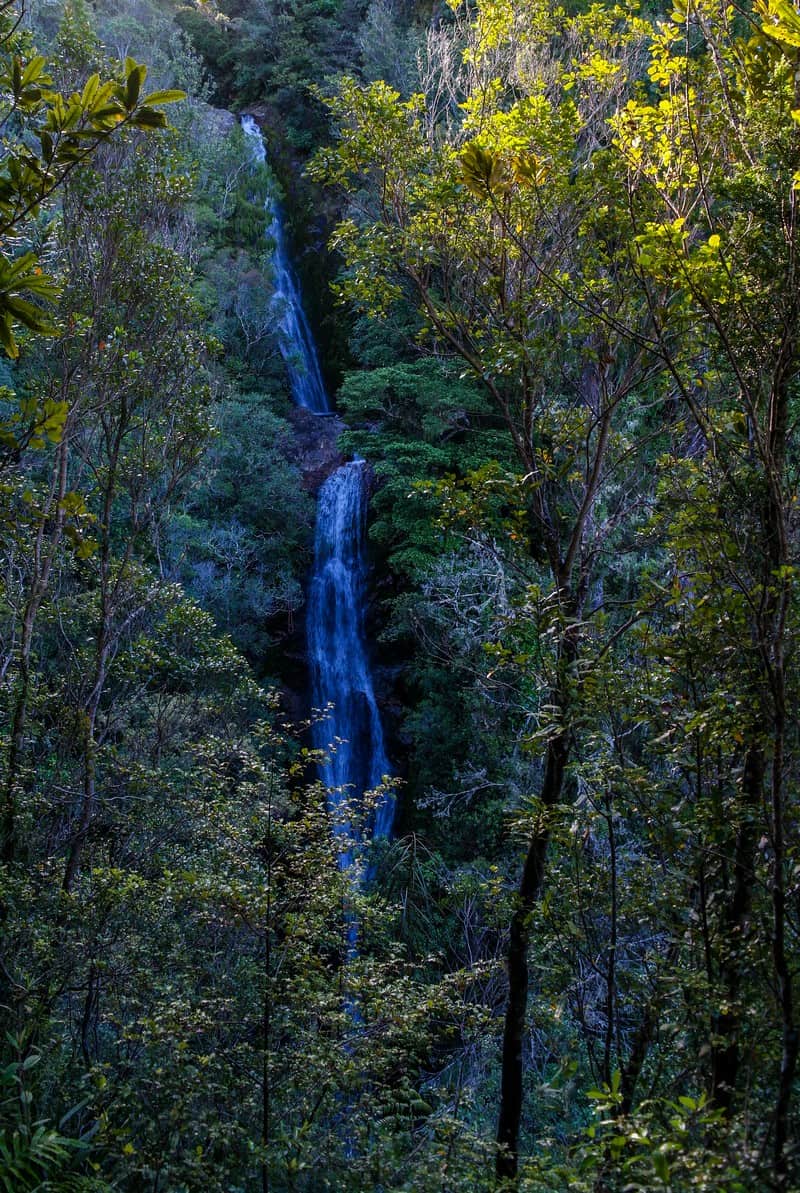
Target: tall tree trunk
(790, 1043)
(782, 594)
(108, 594)
(45, 549)
(530, 889)
(87, 806)
(725, 1024)
(17, 742)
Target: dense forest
(518, 906)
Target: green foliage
(596, 229)
(266, 52)
(175, 919)
(431, 424)
(32, 1155)
(67, 129)
(580, 413)
(234, 548)
(28, 1159)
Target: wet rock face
(314, 446)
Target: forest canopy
(549, 256)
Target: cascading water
(340, 673)
(295, 340)
(337, 649)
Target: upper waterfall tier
(295, 340)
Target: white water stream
(351, 735)
(295, 340)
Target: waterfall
(351, 735)
(295, 340)
(337, 650)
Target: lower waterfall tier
(351, 733)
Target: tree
(67, 131)
(490, 233)
(596, 259)
(720, 234)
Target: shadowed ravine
(351, 734)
